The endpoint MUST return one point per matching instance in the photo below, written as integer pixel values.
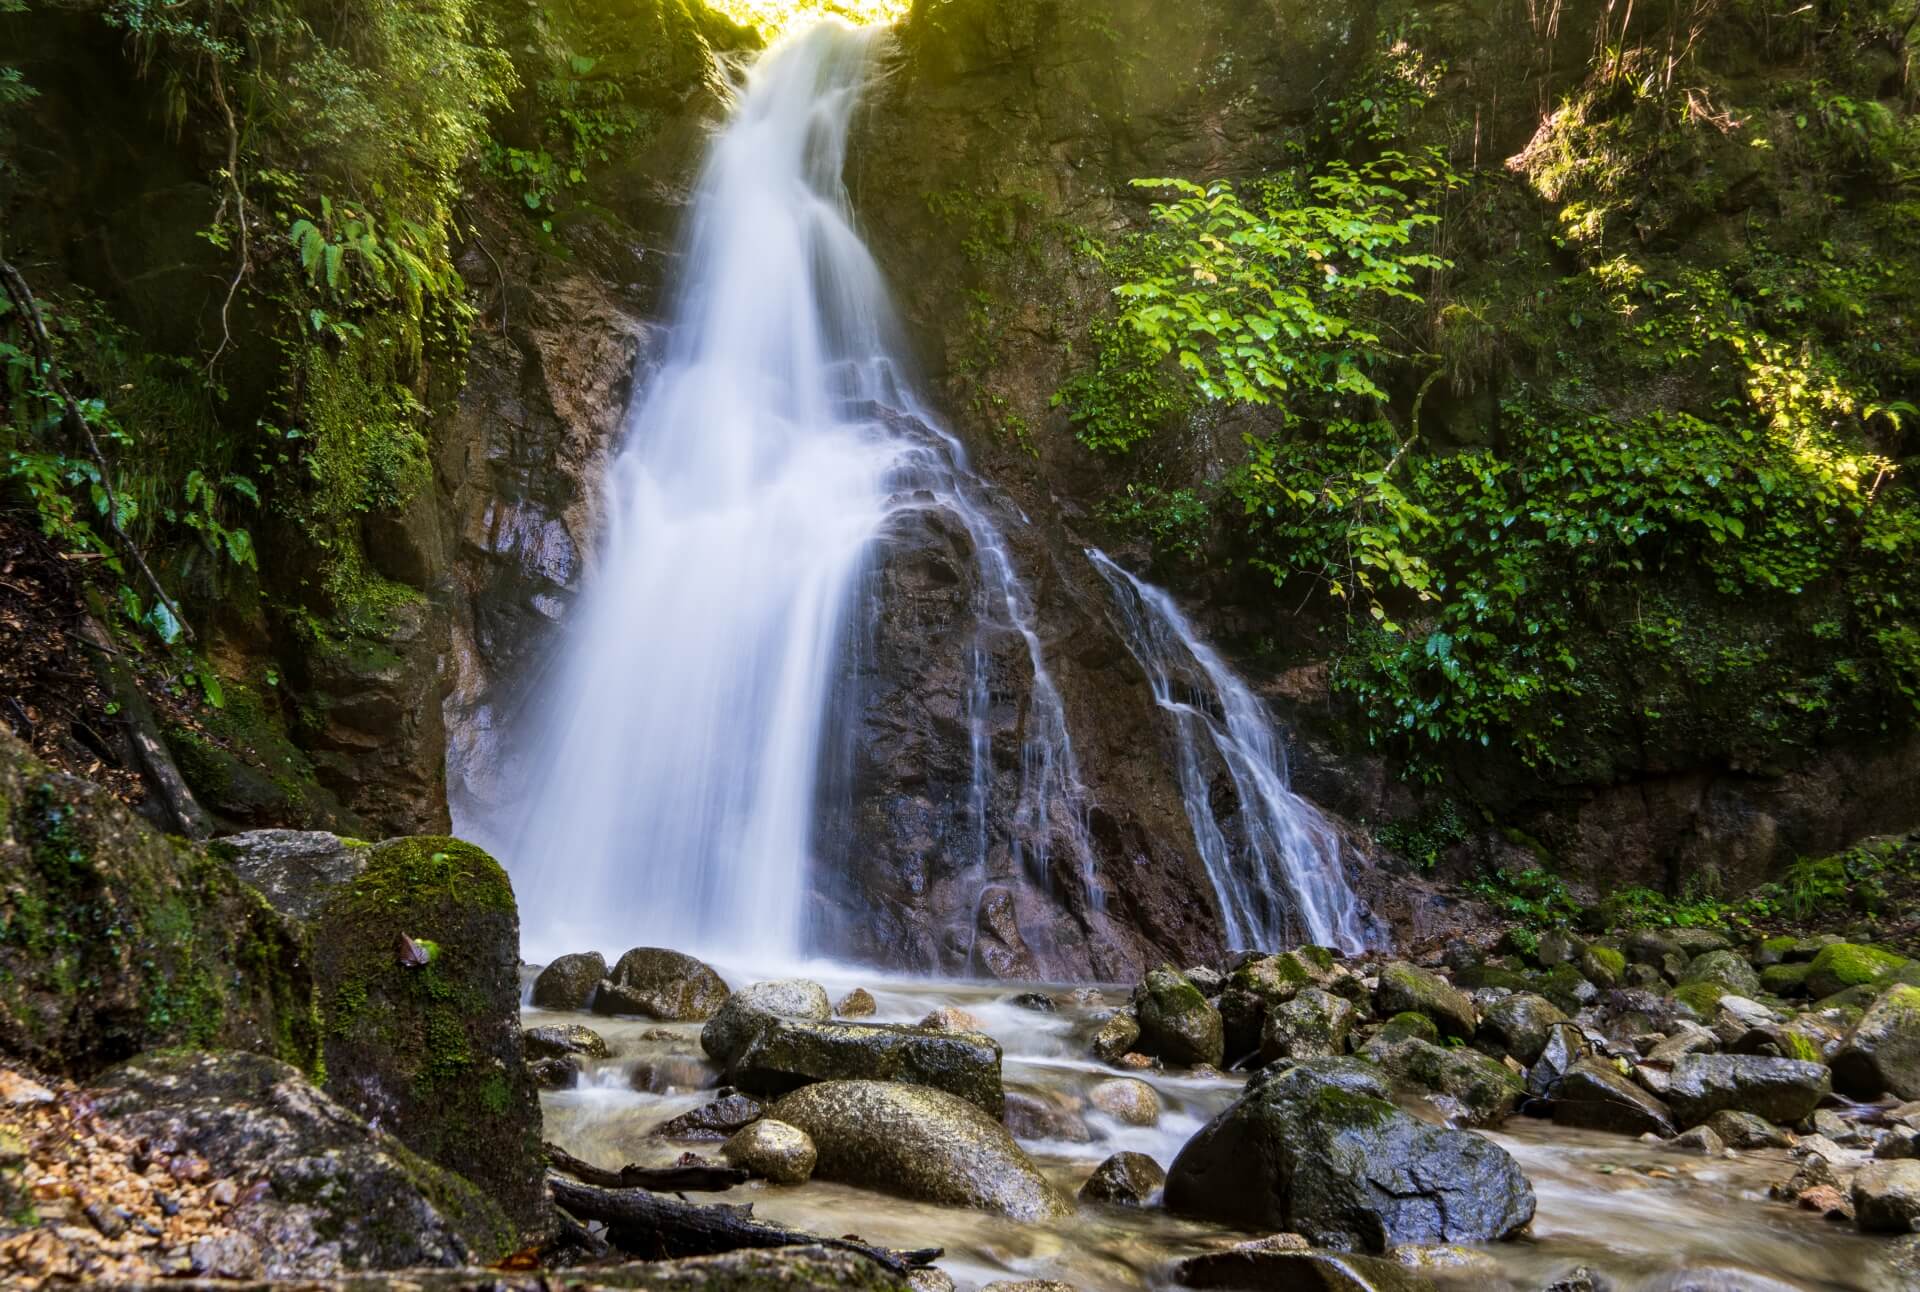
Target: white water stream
(1276, 866)
(674, 794)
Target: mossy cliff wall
(1692, 736)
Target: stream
(1628, 1210)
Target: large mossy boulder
(1177, 1022)
(1780, 1090)
(1481, 1090)
(416, 966)
(1404, 987)
(783, 1054)
(1848, 964)
(655, 982)
(1313, 1025)
(325, 1193)
(1317, 1149)
(1518, 1025)
(1881, 1054)
(115, 939)
(1727, 970)
(915, 1142)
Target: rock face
(785, 1053)
(427, 1040)
(569, 982)
(295, 870)
(1780, 1090)
(662, 984)
(337, 1196)
(119, 939)
(918, 1143)
(1317, 1149)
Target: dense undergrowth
(1594, 453)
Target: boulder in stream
(772, 1150)
(785, 1053)
(1177, 1022)
(1127, 1099)
(1518, 1025)
(1256, 1267)
(658, 983)
(1481, 1090)
(1881, 1054)
(747, 1010)
(569, 982)
(921, 1143)
(1780, 1090)
(1127, 1179)
(1594, 1095)
(1318, 1149)
(1886, 1197)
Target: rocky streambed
(1630, 1140)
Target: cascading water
(1279, 877)
(677, 777)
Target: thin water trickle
(1276, 866)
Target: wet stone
(715, 1121)
(1127, 1179)
(569, 982)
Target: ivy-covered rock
(1405, 987)
(416, 966)
(1882, 1052)
(116, 939)
(1177, 1022)
(1847, 964)
(1317, 1149)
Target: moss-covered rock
(333, 1194)
(1882, 1052)
(1728, 969)
(1405, 987)
(415, 963)
(116, 939)
(1482, 1089)
(1787, 978)
(1177, 1022)
(1313, 1025)
(1848, 964)
(1518, 1025)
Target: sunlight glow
(773, 16)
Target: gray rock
(338, 1195)
(295, 870)
(1701, 1139)
(1404, 987)
(1253, 1268)
(1313, 1025)
(555, 1073)
(772, 1150)
(1727, 969)
(1128, 1100)
(569, 982)
(713, 1121)
(858, 1003)
(1317, 1148)
(735, 1023)
(785, 1053)
(1518, 1025)
(1886, 1197)
(921, 1143)
(1128, 1179)
(1594, 1095)
(1036, 1001)
(662, 984)
(1565, 1047)
(1177, 1022)
(1744, 1130)
(1116, 1035)
(1045, 1117)
(1781, 1090)
(1691, 1038)
(559, 1042)
(1881, 1055)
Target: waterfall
(1276, 865)
(674, 778)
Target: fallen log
(654, 1227)
(693, 1178)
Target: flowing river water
(1628, 1210)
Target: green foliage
(1125, 396)
(1175, 521)
(1424, 840)
(1532, 896)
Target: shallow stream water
(1628, 1210)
